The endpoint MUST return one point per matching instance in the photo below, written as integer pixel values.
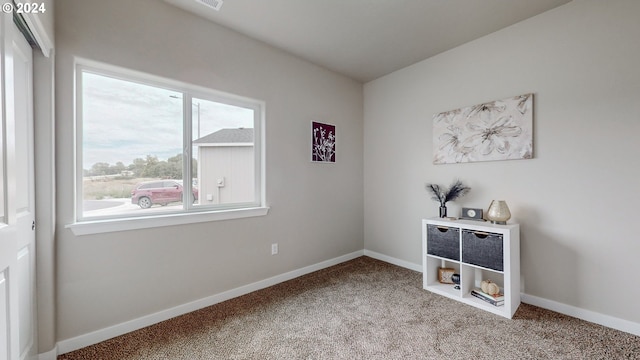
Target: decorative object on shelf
(323, 142)
(489, 287)
(495, 130)
(495, 300)
(445, 275)
(456, 280)
(444, 195)
(472, 214)
(498, 212)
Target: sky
(123, 120)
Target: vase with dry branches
(443, 195)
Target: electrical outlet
(274, 249)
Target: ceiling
(366, 39)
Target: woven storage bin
(482, 249)
(443, 241)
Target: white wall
(576, 200)
(316, 210)
(44, 122)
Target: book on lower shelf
(495, 300)
(496, 297)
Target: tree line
(150, 167)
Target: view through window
(132, 149)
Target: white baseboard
(587, 315)
(97, 336)
(49, 355)
(394, 261)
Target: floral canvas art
(323, 142)
(496, 130)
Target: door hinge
(33, 225)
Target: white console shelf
(478, 251)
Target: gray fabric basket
(483, 249)
(443, 241)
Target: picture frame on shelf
(472, 214)
(445, 275)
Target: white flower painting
(497, 130)
(323, 142)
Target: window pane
(224, 154)
(131, 134)
(132, 147)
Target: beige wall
(316, 210)
(576, 200)
(44, 123)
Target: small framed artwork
(323, 142)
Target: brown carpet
(362, 309)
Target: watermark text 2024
(24, 8)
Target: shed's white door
(17, 208)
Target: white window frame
(189, 214)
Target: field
(100, 188)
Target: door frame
(41, 26)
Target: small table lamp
(498, 212)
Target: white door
(17, 212)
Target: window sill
(113, 225)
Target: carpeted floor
(362, 309)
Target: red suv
(160, 192)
